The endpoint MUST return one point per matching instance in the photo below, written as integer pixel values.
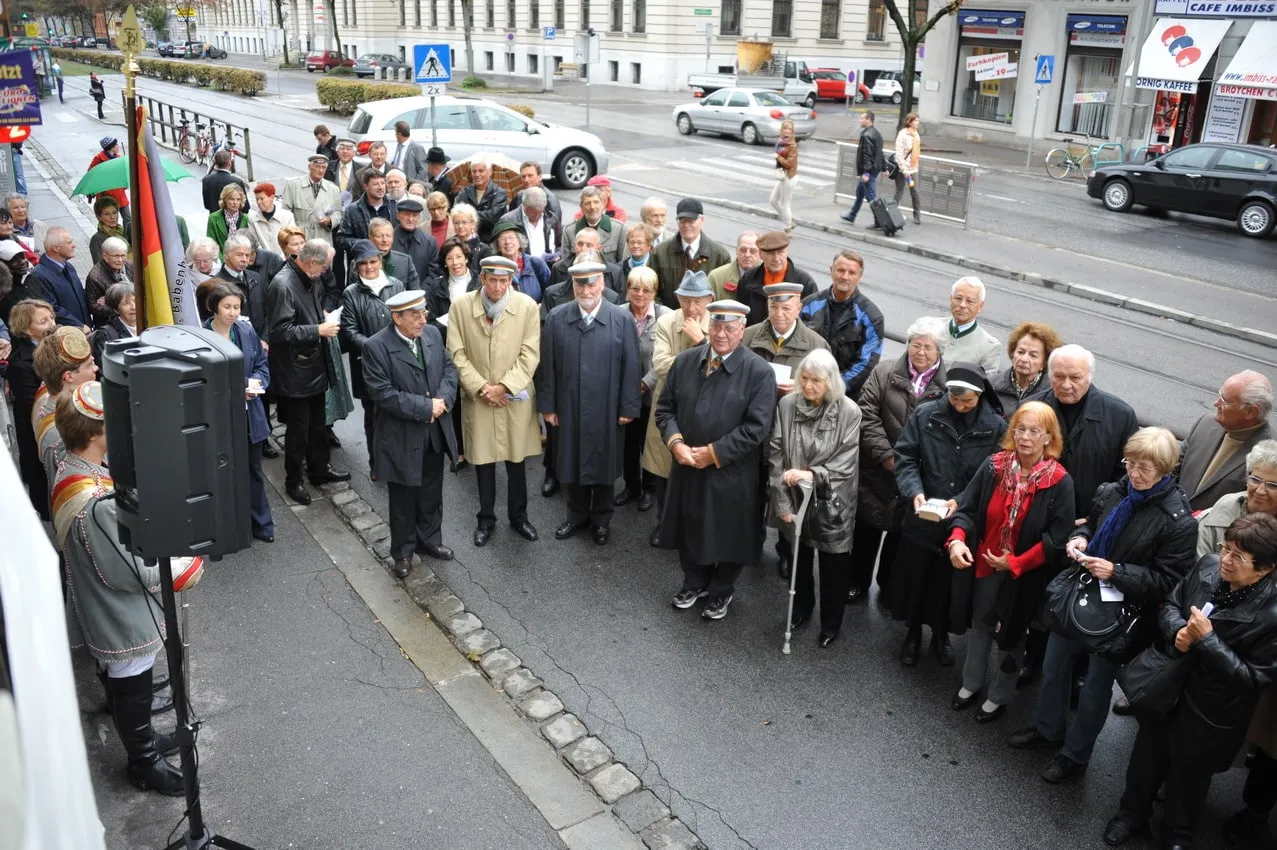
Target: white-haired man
(487, 198)
(724, 279)
(966, 341)
(1213, 458)
(538, 224)
(653, 213)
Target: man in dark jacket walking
(870, 162)
(299, 367)
(849, 321)
(411, 379)
(776, 267)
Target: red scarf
(1017, 492)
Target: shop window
(1089, 94)
(985, 100)
(730, 17)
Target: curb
(590, 760)
(1090, 293)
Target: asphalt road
(753, 749)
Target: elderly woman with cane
(816, 439)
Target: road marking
(1001, 198)
(66, 117)
(735, 169)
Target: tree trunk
(906, 79)
(279, 16)
(467, 22)
(332, 17)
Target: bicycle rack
(165, 121)
(1109, 153)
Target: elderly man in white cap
(409, 376)
(588, 387)
(715, 414)
(494, 338)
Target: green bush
(203, 74)
(340, 71)
(471, 83)
(524, 109)
(342, 96)
(235, 80)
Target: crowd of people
(729, 392)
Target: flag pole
(131, 47)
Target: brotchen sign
(1253, 71)
(1176, 53)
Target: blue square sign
(432, 63)
(1045, 69)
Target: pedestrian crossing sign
(432, 63)
(1046, 69)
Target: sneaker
(716, 607)
(685, 599)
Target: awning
(1253, 71)
(1177, 51)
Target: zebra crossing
(754, 166)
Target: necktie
(712, 366)
(588, 319)
(314, 190)
(398, 154)
(691, 256)
(778, 343)
(345, 177)
(419, 354)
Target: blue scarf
(1101, 545)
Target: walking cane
(805, 487)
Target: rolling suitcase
(887, 215)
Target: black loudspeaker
(177, 442)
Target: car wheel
(896, 98)
(810, 102)
(684, 124)
(574, 168)
(1256, 219)
(1117, 195)
(750, 136)
(309, 70)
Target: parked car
(753, 114)
(1237, 182)
(470, 125)
(87, 42)
(164, 48)
(367, 65)
(202, 50)
(887, 87)
(326, 60)
(831, 84)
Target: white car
(887, 87)
(470, 125)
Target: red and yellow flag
(169, 284)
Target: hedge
(235, 80)
(342, 96)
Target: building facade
(1144, 72)
(650, 44)
(245, 26)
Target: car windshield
(369, 57)
(359, 122)
(768, 98)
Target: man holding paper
(300, 371)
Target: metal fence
(944, 185)
(166, 122)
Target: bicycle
(1062, 162)
(194, 147)
(227, 144)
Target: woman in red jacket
(110, 150)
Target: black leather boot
(147, 770)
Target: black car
(164, 48)
(1237, 182)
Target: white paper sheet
(1109, 593)
(784, 374)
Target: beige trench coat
(670, 342)
(307, 209)
(505, 353)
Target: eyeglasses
(961, 299)
(1142, 468)
(1021, 431)
(1270, 486)
(1234, 554)
(1225, 402)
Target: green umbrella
(114, 174)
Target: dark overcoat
(1094, 446)
(711, 514)
(363, 315)
(403, 393)
(420, 248)
(298, 365)
(589, 378)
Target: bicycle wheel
(1086, 163)
(1059, 163)
(186, 149)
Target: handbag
(827, 518)
(1154, 680)
(1074, 608)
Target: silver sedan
(753, 114)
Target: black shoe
(269, 451)
(1030, 738)
(161, 702)
(1062, 769)
(402, 567)
(1246, 826)
(827, 639)
(848, 217)
(942, 649)
(624, 497)
(526, 530)
(1028, 673)
(961, 703)
(332, 439)
(1121, 830)
(654, 539)
(482, 535)
(982, 716)
(799, 620)
(329, 476)
(647, 501)
(601, 534)
(166, 743)
(550, 486)
(910, 649)
(131, 703)
(784, 569)
(569, 528)
(264, 536)
(1122, 706)
(856, 594)
(298, 493)
(437, 551)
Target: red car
(326, 60)
(831, 84)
